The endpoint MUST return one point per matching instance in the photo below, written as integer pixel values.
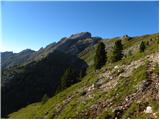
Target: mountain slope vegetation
(127, 88)
(27, 84)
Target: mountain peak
(27, 50)
(82, 35)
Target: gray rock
(82, 35)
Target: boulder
(148, 109)
(116, 67)
(144, 85)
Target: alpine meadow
(106, 68)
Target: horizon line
(72, 34)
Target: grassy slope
(74, 103)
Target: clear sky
(37, 24)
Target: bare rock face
(10, 59)
(82, 35)
(72, 45)
(125, 37)
(6, 55)
(76, 43)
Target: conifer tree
(68, 78)
(142, 47)
(100, 57)
(117, 51)
(44, 99)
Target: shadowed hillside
(26, 84)
(125, 86)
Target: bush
(69, 77)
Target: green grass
(27, 112)
(135, 111)
(128, 85)
(156, 69)
(106, 114)
(155, 105)
(75, 106)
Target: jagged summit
(82, 35)
(27, 51)
(71, 45)
(125, 37)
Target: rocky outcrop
(72, 45)
(75, 43)
(125, 37)
(82, 35)
(10, 59)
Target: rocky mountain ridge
(124, 89)
(72, 45)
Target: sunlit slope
(124, 89)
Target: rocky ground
(109, 80)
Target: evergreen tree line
(70, 76)
(117, 53)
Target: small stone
(155, 115)
(126, 106)
(93, 86)
(126, 99)
(116, 67)
(103, 105)
(148, 109)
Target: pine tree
(100, 57)
(81, 74)
(117, 51)
(147, 43)
(68, 78)
(44, 99)
(142, 47)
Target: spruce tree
(142, 47)
(81, 74)
(44, 99)
(117, 51)
(68, 78)
(100, 57)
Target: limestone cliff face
(71, 45)
(82, 35)
(10, 59)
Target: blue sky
(37, 24)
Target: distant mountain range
(44, 67)
(72, 45)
